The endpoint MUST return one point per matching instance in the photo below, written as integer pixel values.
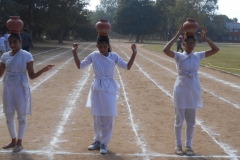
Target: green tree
(136, 18)
(8, 8)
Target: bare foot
(10, 145)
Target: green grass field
(227, 59)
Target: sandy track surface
(61, 126)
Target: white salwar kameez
(187, 94)
(103, 92)
(16, 91)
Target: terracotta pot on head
(190, 27)
(14, 24)
(103, 27)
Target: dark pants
(26, 48)
(179, 48)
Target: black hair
(104, 39)
(189, 37)
(15, 35)
(25, 29)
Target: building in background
(234, 32)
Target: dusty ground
(61, 126)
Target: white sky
(231, 8)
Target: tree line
(62, 19)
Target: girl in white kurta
(16, 92)
(187, 89)
(104, 89)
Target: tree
(8, 8)
(135, 18)
(61, 15)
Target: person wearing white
(6, 35)
(16, 92)
(187, 89)
(2, 44)
(104, 90)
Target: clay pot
(14, 24)
(103, 27)
(190, 26)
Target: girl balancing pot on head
(104, 90)
(16, 91)
(187, 88)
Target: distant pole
(167, 33)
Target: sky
(231, 8)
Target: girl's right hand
(180, 27)
(74, 46)
(134, 48)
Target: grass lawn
(227, 59)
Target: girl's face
(189, 45)
(15, 44)
(103, 48)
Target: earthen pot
(14, 24)
(190, 26)
(103, 27)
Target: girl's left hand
(134, 48)
(45, 69)
(204, 32)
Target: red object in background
(103, 27)
(190, 26)
(14, 24)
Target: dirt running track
(60, 127)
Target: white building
(234, 32)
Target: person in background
(6, 35)
(2, 43)
(179, 44)
(26, 40)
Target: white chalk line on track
(133, 125)
(227, 149)
(46, 153)
(48, 51)
(205, 74)
(215, 95)
(68, 110)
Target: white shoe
(189, 151)
(94, 145)
(178, 150)
(103, 149)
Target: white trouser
(189, 115)
(2, 48)
(103, 127)
(22, 124)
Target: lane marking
(140, 142)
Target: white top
(104, 82)
(187, 88)
(16, 79)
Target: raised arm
(214, 49)
(32, 74)
(134, 49)
(75, 56)
(167, 49)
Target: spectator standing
(26, 40)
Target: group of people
(26, 41)
(104, 91)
